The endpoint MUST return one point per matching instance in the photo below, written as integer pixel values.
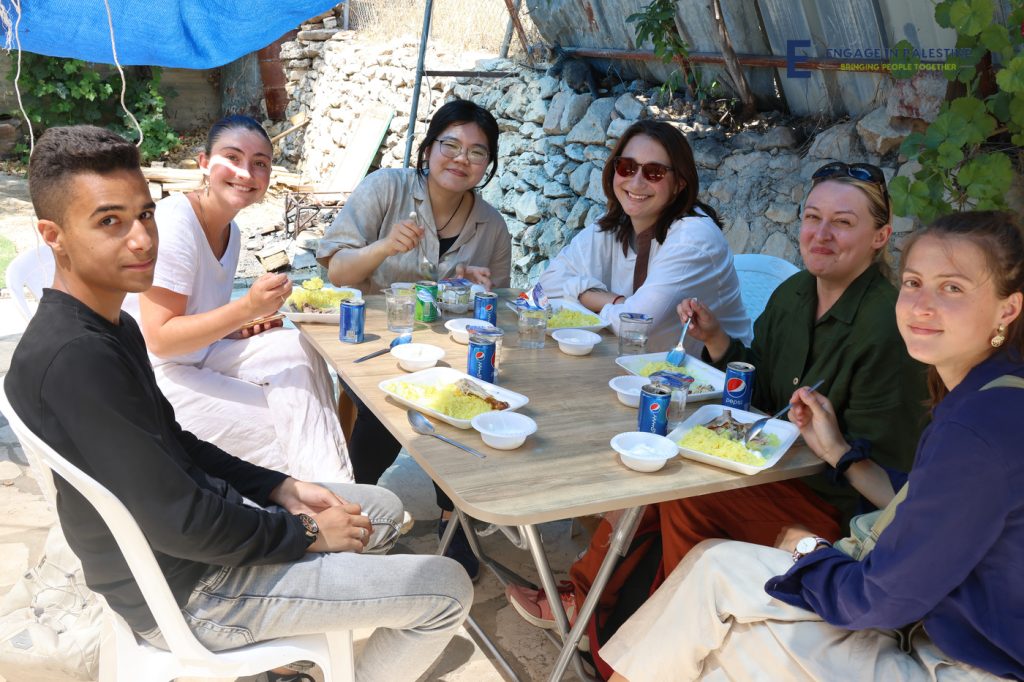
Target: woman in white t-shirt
(651, 184)
(257, 391)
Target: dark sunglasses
(864, 172)
(652, 172)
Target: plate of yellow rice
(707, 381)
(315, 301)
(433, 392)
(698, 443)
(566, 314)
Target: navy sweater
(86, 387)
(954, 554)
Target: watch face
(309, 523)
(806, 546)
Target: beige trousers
(712, 620)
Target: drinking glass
(401, 305)
(533, 326)
(677, 408)
(634, 328)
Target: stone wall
(554, 142)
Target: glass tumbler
(634, 328)
(532, 326)
(401, 304)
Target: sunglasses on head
(865, 172)
(627, 168)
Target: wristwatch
(808, 545)
(309, 524)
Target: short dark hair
(460, 112)
(66, 151)
(233, 122)
(680, 157)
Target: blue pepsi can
(352, 322)
(739, 385)
(653, 414)
(482, 359)
(485, 307)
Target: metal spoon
(421, 425)
(757, 427)
(397, 341)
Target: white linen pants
(267, 399)
(712, 620)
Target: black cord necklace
(445, 227)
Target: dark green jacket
(877, 389)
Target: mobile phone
(263, 320)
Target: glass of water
(634, 328)
(401, 303)
(677, 408)
(533, 326)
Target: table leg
(621, 537)
(503, 573)
(547, 580)
(475, 630)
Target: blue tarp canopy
(191, 34)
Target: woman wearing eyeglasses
(655, 245)
(835, 322)
(373, 243)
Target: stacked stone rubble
(554, 143)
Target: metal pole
(506, 42)
(424, 36)
(344, 21)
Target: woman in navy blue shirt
(944, 577)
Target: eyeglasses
(653, 172)
(452, 149)
(865, 172)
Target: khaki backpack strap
(1005, 381)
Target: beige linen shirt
(386, 197)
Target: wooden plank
(785, 20)
(567, 468)
(855, 25)
(355, 161)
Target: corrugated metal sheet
(762, 27)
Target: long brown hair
(1000, 237)
(680, 158)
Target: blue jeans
(415, 602)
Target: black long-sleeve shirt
(85, 386)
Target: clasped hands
(342, 527)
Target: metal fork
(678, 354)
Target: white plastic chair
(123, 657)
(33, 269)
(759, 276)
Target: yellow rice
(702, 439)
(322, 300)
(652, 367)
(572, 318)
(444, 399)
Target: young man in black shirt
(81, 380)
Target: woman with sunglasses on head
(259, 392)
(655, 245)
(834, 322)
(937, 596)
(373, 243)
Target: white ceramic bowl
(412, 357)
(504, 430)
(627, 388)
(644, 451)
(576, 341)
(457, 327)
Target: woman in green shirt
(834, 321)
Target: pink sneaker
(533, 605)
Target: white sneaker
(407, 524)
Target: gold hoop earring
(1000, 336)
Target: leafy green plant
(58, 92)
(968, 153)
(657, 24)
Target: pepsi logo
(479, 355)
(488, 307)
(654, 407)
(735, 385)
